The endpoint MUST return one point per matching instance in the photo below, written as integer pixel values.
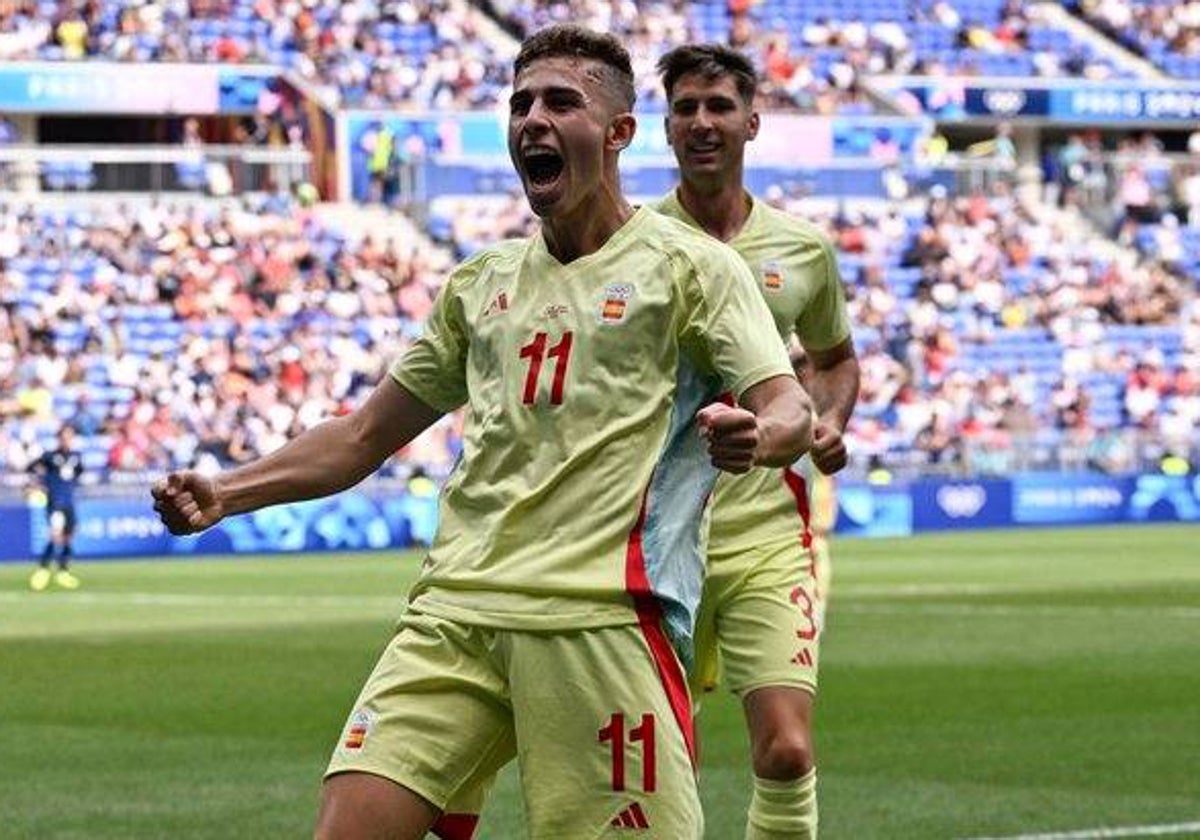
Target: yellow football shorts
(599, 718)
(760, 620)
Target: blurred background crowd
(999, 328)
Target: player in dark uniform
(58, 471)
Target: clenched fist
(828, 449)
(187, 502)
(731, 434)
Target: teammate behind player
(567, 561)
(761, 606)
(58, 471)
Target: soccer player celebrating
(566, 570)
(58, 470)
(762, 602)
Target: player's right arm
(324, 460)
(832, 365)
(426, 383)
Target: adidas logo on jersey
(499, 304)
(632, 817)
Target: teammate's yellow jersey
(796, 271)
(583, 479)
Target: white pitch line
(916, 590)
(167, 599)
(1011, 609)
(1100, 833)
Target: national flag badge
(360, 726)
(772, 276)
(614, 303)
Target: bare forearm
(785, 421)
(332, 456)
(835, 392)
(324, 460)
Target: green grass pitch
(983, 684)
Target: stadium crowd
(425, 54)
(991, 336)
(171, 335)
(1167, 33)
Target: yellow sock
(784, 810)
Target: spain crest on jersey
(772, 276)
(614, 303)
(361, 723)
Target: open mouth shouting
(542, 165)
(543, 168)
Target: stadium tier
(990, 340)
(439, 54)
(169, 334)
(1020, 248)
(1168, 34)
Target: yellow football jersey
(583, 480)
(797, 273)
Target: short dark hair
(711, 61)
(570, 40)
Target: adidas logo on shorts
(632, 817)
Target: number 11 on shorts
(614, 733)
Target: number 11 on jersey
(614, 733)
(535, 352)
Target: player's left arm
(833, 381)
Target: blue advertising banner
(1068, 102)
(1165, 498)
(940, 504)
(868, 511)
(1062, 499)
(1116, 103)
(111, 88)
(125, 526)
(16, 539)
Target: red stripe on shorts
(649, 613)
(455, 826)
(799, 488)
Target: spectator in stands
(1187, 189)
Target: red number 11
(535, 352)
(615, 733)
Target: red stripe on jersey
(639, 816)
(799, 488)
(455, 826)
(649, 613)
